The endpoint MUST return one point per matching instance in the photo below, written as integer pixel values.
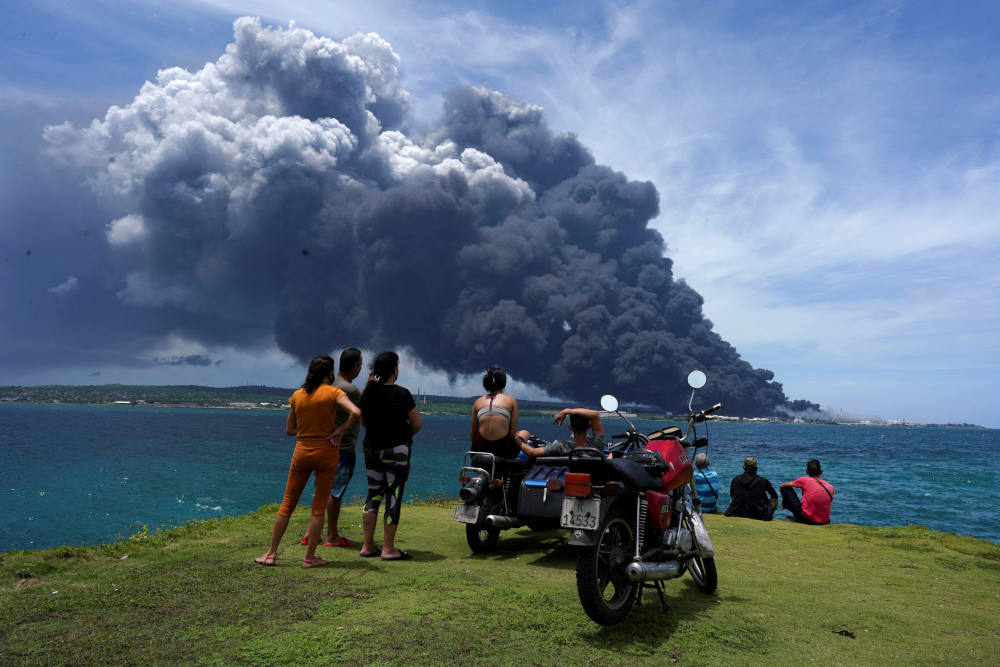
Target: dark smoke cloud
(280, 187)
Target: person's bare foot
(266, 559)
(315, 561)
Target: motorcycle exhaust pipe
(501, 521)
(642, 571)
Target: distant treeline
(261, 397)
(187, 395)
(198, 396)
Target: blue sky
(828, 172)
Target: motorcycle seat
(665, 433)
(635, 475)
(552, 461)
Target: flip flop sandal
(342, 542)
(403, 555)
(316, 561)
(371, 555)
(265, 560)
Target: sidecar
(498, 494)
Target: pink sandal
(315, 561)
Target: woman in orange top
(310, 418)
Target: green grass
(192, 595)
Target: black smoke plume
(280, 188)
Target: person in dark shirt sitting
(584, 424)
(753, 496)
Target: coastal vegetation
(169, 395)
(246, 397)
(839, 594)
(256, 397)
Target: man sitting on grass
(581, 420)
(817, 496)
(706, 481)
(750, 493)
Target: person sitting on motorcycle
(750, 493)
(581, 421)
(494, 417)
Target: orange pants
(308, 457)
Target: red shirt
(815, 499)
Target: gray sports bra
(493, 410)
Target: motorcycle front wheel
(482, 539)
(606, 594)
(702, 570)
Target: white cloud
(65, 287)
(125, 230)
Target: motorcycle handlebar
(701, 416)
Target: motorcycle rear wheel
(482, 539)
(702, 570)
(606, 594)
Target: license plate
(580, 513)
(467, 513)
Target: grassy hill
(192, 595)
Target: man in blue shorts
(350, 368)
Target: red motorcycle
(634, 515)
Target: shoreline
(143, 531)
(447, 410)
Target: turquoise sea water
(87, 475)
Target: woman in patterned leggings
(391, 419)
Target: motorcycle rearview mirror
(696, 379)
(610, 404)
